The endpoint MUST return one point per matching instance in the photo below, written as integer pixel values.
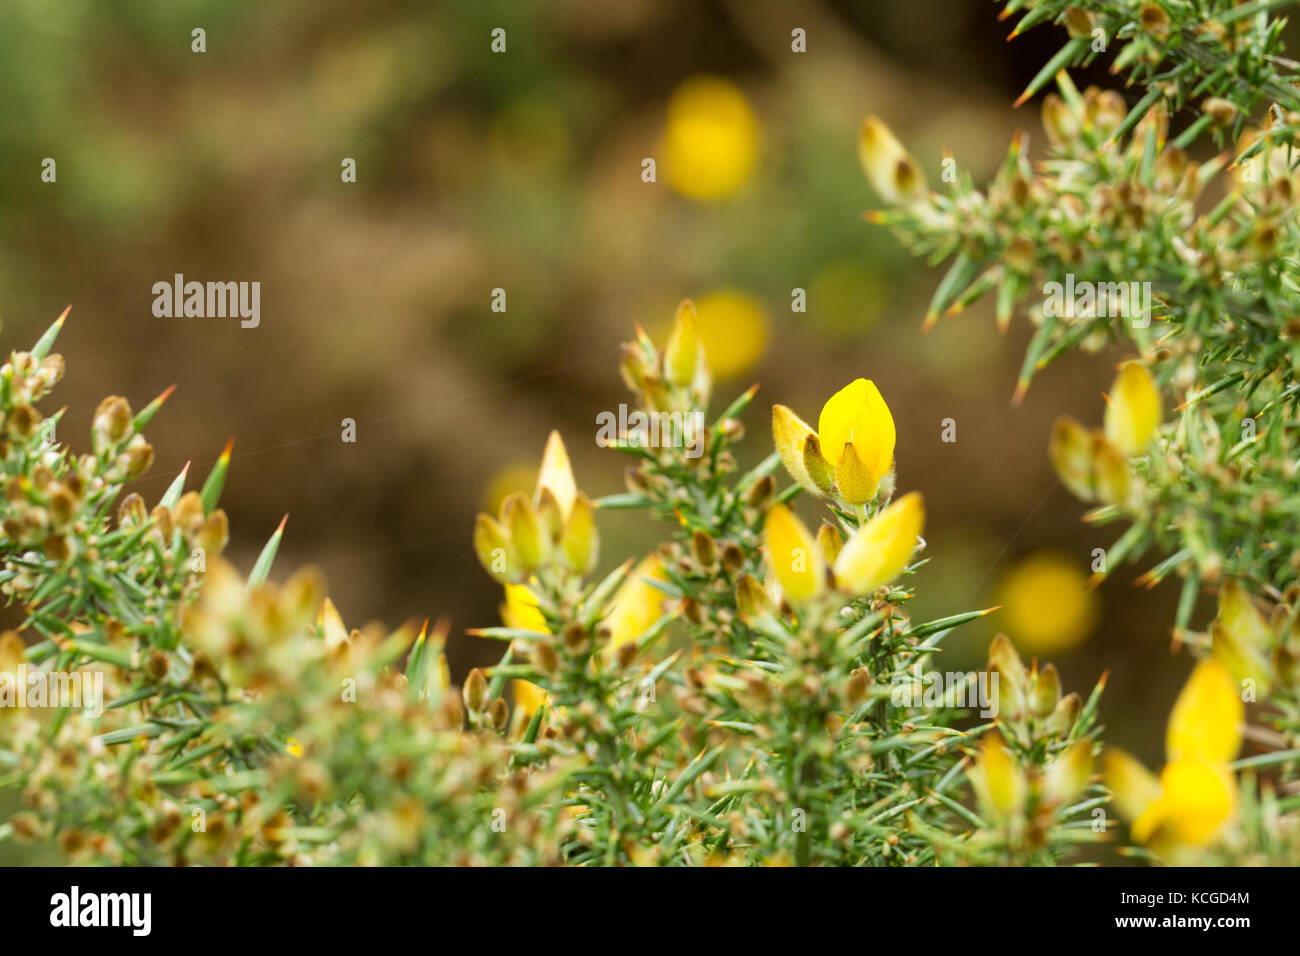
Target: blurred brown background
(522, 170)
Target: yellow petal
(999, 782)
(1196, 800)
(1132, 410)
(790, 434)
(1133, 787)
(879, 550)
(636, 604)
(1205, 723)
(875, 435)
(557, 475)
(528, 696)
(839, 418)
(856, 484)
(794, 555)
(521, 610)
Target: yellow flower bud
(1132, 410)
(493, 547)
(879, 550)
(683, 353)
(1070, 449)
(999, 782)
(580, 541)
(1068, 774)
(531, 547)
(1044, 692)
(795, 558)
(556, 475)
(1116, 484)
(892, 172)
(791, 434)
(830, 541)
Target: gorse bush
(1209, 490)
(755, 691)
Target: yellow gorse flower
(1046, 603)
(1132, 410)
(1194, 795)
(852, 449)
(872, 557)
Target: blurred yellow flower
(734, 329)
(1132, 410)
(710, 142)
(1242, 639)
(999, 783)
(517, 477)
(1047, 606)
(1194, 796)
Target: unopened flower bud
(760, 493)
(1044, 692)
(703, 549)
(475, 691)
(112, 421)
